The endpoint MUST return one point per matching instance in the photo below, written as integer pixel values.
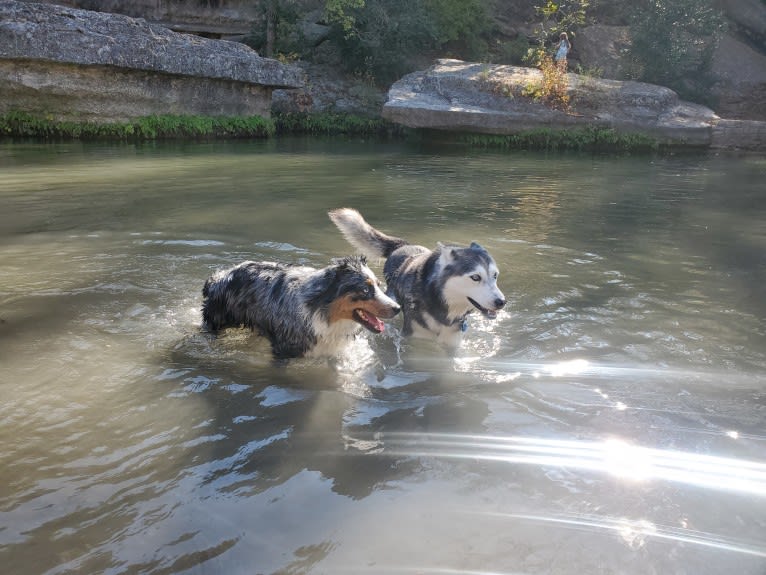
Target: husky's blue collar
(462, 322)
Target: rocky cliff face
(741, 80)
(83, 65)
(739, 66)
(739, 69)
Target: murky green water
(610, 421)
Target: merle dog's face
(359, 296)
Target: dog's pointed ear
(475, 246)
(447, 254)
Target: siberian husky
(436, 289)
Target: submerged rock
(84, 65)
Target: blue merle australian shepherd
(303, 311)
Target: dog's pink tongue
(376, 323)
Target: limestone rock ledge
(84, 65)
(485, 98)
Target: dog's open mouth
(368, 320)
(488, 313)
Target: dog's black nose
(499, 302)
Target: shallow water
(610, 421)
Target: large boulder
(602, 50)
(748, 17)
(739, 70)
(740, 87)
(489, 99)
(83, 65)
(484, 98)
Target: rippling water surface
(612, 420)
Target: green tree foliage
(555, 18)
(561, 16)
(673, 44)
(342, 13)
(278, 33)
(378, 37)
(462, 24)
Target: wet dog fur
(303, 311)
(437, 289)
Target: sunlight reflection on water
(615, 457)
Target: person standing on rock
(561, 51)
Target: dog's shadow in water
(276, 420)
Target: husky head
(469, 278)
(355, 294)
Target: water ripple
(636, 532)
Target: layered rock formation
(229, 20)
(82, 65)
(483, 98)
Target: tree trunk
(271, 30)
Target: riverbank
(24, 125)
(540, 135)
(111, 76)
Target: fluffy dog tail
(361, 235)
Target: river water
(611, 420)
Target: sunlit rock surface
(485, 98)
(79, 64)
